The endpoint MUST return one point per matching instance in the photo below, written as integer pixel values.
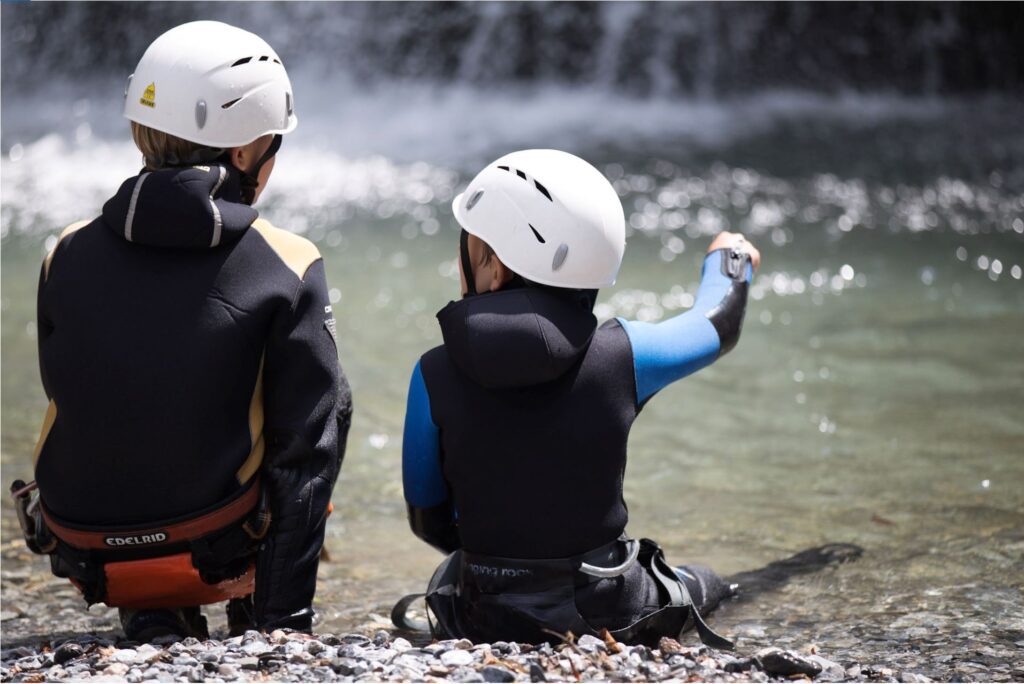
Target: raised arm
(670, 350)
(431, 514)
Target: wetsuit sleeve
(308, 408)
(431, 514)
(669, 350)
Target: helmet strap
(250, 180)
(467, 264)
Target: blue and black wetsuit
(516, 428)
(187, 349)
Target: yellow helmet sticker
(149, 96)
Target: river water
(874, 398)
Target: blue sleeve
(422, 477)
(669, 350)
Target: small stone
(912, 677)
(348, 667)
(184, 661)
(456, 658)
(853, 671)
(669, 646)
(227, 671)
(464, 674)
(463, 644)
(493, 673)
(125, 655)
(249, 663)
(66, 652)
(134, 677)
(537, 672)
(116, 669)
(381, 637)
(590, 644)
(196, 674)
(314, 647)
(255, 648)
(399, 645)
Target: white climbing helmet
(549, 216)
(213, 84)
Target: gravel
(292, 656)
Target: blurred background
(872, 151)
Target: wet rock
(912, 677)
(66, 652)
(493, 673)
(743, 665)
(776, 661)
(537, 672)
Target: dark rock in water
(492, 673)
(775, 661)
(66, 652)
(537, 673)
(743, 665)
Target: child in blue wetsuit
(516, 427)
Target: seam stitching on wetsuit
(131, 207)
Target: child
(198, 414)
(516, 427)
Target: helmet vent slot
(264, 58)
(520, 174)
(474, 199)
(232, 103)
(503, 168)
(537, 235)
(244, 60)
(277, 61)
(543, 190)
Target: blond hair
(162, 149)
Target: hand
(726, 240)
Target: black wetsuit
(187, 347)
(516, 428)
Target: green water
(875, 396)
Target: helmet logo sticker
(560, 254)
(474, 199)
(148, 98)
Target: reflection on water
(875, 396)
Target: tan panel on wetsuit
(295, 251)
(44, 432)
(255, 458)
(63, 234)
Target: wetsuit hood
(516, 338)
(192, 207)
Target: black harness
(486, 598)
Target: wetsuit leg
(707, 589)
(142, 625)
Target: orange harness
(163, 580)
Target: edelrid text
(137, 540)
